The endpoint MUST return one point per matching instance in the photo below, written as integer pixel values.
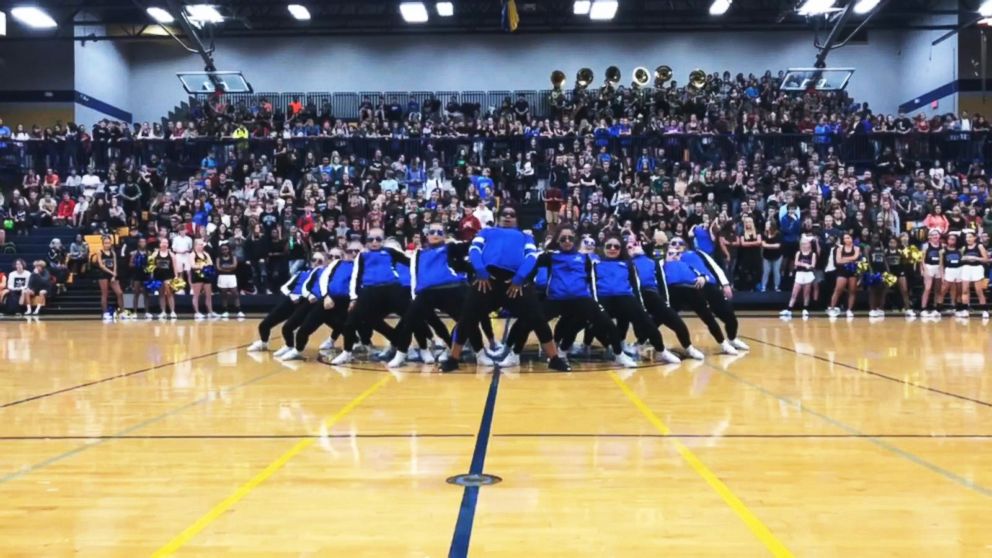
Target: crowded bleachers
(737, 163)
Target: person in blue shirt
(703, 235)
(309, 302)
(712, 299)
(292, 291)
(436, 284)
(654, 295)
(503, 258)
(617, 290)
(375, 291)
(570, 295)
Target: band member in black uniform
(931, 271)
(845, 253)
(950, 273)
(107, 264)
(138, 262)
(202, 285)
(973, 258)
(165, 271)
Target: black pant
(450, 301)
(630, 309)
(693, 298)
(374, 304)
(579, 311)
(317, 316)
(299, 315)
(722, 308)
(282, 311)
(525, 307)
(663, 314)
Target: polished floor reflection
(830, 438)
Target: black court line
(512, 435)
(115, 377)
(876, 374)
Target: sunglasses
(375, 239)
(588, 242)
(436, 232)
(566, 238)
(335, 256)
(612, 246)
(353, 251)
(508, 214)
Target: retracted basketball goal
(209, 83)
(818, 79)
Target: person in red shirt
(306, 221)
(66, 207)
(553, 198)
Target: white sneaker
(632, 349)
(805, 314)
(291, 354)
(427, 357)
(327, 345)
(985, 314)
(496, 348)
(511, 360)
(107, 316)
(727, 348)
(667, 357)
(850, 314)
(624, 360)
(833, 311)
(344, 358)
(241, 315)
(577, 349)
(198, 316)
(213, 316)
(739, 345)
(162, 316)
(148, 315)
(785, 313)
(693, 353)
(398, 360)
(962, 314)
(447, 354)
(282, 351)
(173, 316)
(225, 316)
(482, 358)
(910, 313)
(258, 346)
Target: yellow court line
(206, 519)
(759, 529)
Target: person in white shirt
(484, 215)
(17, 281)
(182, 247)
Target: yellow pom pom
(178, 284)
(889, 279)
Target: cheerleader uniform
(227, 280)
(972, 271)
(140, 272)
(805, 275)
(842, 270)
(952, 265)
(164, 268)
(931, 260)
(109, 260)
(898, 266)
(199, 262)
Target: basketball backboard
(207, 83)
(820, 79)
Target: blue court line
(98, 442)
(466, 513)
(947, 474)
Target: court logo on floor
(472, 479)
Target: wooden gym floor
(835, 438)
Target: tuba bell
(612, 77)
(583, 78)
(640, 77)
(557, 95)
(661, 76)
(697, 79)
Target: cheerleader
(931, 272)
(165, 271)
(138, 263)
(805, 266)
(227, 282)
(950, 273)
(974, 257)
(107, 264)
(202, 283)
(878, 266)
(845, 253)
(897, 259)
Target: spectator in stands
(57, 261)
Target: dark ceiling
(257, 18)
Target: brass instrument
(697, 79)
(612, 77)
(583, 78)
(662, 74)
(640, 77)
(557, 95)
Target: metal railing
(859, 149)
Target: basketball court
(830, 438)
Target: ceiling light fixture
(445, 9)
(413, 12)
(33, 17)
(602, 10)
(160, 15)
(719, 7)
(299, 11)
